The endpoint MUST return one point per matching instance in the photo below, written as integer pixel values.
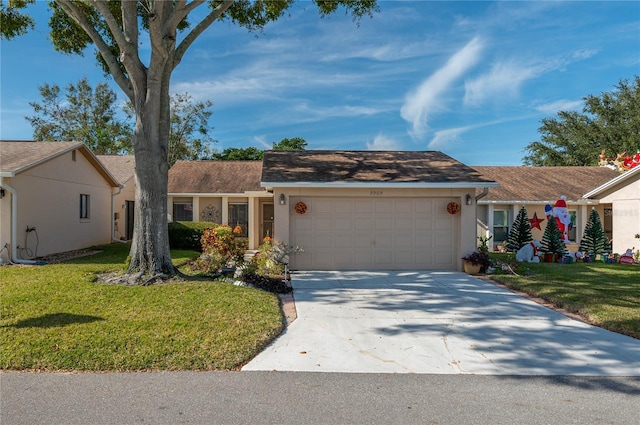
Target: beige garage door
(379, 233)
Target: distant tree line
(91, 115)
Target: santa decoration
(562, 217)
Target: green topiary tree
(552, 242)
(520, 233)
(594, 240)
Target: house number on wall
(376, 193)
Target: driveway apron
(438, 322)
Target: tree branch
(198, 29)
(114, 66)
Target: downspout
(485, 192)
(14, 226)
(113, 224)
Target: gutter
(14, 227)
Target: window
(239, 216)
(572, 232)
(183, 211)
(500, 225)
(84, 206)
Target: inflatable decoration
(561, 214)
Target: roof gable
(620, 179)
(215, 177)
(542, 184)
(123, 167)
(427, 168)
(19, 156)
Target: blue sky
(471, 79)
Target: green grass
(607, 295)
(57, 317)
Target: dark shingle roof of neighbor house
(18, 156)
(215, 177)
(547, 184)
(123, 167)
(320, 166)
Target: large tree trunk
(150, 253)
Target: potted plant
(476, 262)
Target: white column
(225, 210)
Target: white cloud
(560, 105)
(504, 79)
(423, 101)
(262, 141)
(383, 143)
(444, 138)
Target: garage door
(380, 233)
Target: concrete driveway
(439, 322)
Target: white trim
(508, 202)
(612, 182)
(390, 185)
(249, 194)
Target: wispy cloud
(383, 143)
(426, 99)
(443, 138)
(504, 79)
(559, 105)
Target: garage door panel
(323, 224)
(380, 233)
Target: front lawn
(607, 295)
(57, 317)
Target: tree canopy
(254, 154)
(84, 114)
(609, 122)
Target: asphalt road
(314, 398)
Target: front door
(129, 219)
(267, 221)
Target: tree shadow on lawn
(53, 320)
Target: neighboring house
(621, 196)
(55, 197)
(223, 192)
(373, 209)
(123, 168)
(535, 187)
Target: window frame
(504, 226)
(85, 207)
(233, 219)
(182, 216)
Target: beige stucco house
(621, 196)
(54, 197)
(373, 210)
(123, 168)
(223, 192)
(616, 198)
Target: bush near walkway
(606, 295)
(58, 318)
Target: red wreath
(301, 208)
(453, 208)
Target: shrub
(220, 247)
(187, 235)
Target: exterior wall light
(283, 199)
(469, 200)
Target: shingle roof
(215, 177)
(318, 166)
(123, 167)
(19, 156)
(545, 184)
